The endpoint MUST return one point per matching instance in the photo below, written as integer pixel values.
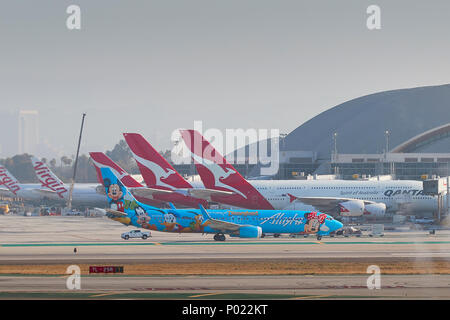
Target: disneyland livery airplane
(236, 223)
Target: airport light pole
(386, 150)
(69, 201)
(335, 153)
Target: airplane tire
(319, 238)
(219, 237)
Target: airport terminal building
(404, 133)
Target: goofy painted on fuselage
(123, 207)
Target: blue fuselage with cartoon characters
(192, 220)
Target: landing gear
(219, 237)
(319, 238)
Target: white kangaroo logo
(218, 172)
(158, 171)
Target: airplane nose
(337, 225)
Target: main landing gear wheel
(219, 237)
(319, 238)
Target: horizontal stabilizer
(208, 193)
(100, 210)
(115, 213)
(145, 192)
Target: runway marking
(311, 297)
(231, 243)
(205, 294)
(104, 294)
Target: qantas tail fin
(9, 181)
(156, 171)
(47, 178)
(216, 173)
(101, 160)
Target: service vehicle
(135, 234)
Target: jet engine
(100, 189)
(375, 209)
(351, 208)
(250, 232)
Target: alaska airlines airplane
(236, 223)
(336, 197)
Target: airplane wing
(223, 226)
(145, 192)
(207, 193)
(325, 203)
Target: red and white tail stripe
(156, 171)
(216, 173)
(101, 160)
(47, 178)
(8, 180)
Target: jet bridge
(439, 187)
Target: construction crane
(69, 200)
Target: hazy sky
(153, 66)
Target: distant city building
(28, 133)
(8, 133)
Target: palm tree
(63, 160)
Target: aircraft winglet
(204, 213)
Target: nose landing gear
(219, 237)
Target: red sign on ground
(105, 269)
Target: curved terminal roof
(417, 119)
(424, 139)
